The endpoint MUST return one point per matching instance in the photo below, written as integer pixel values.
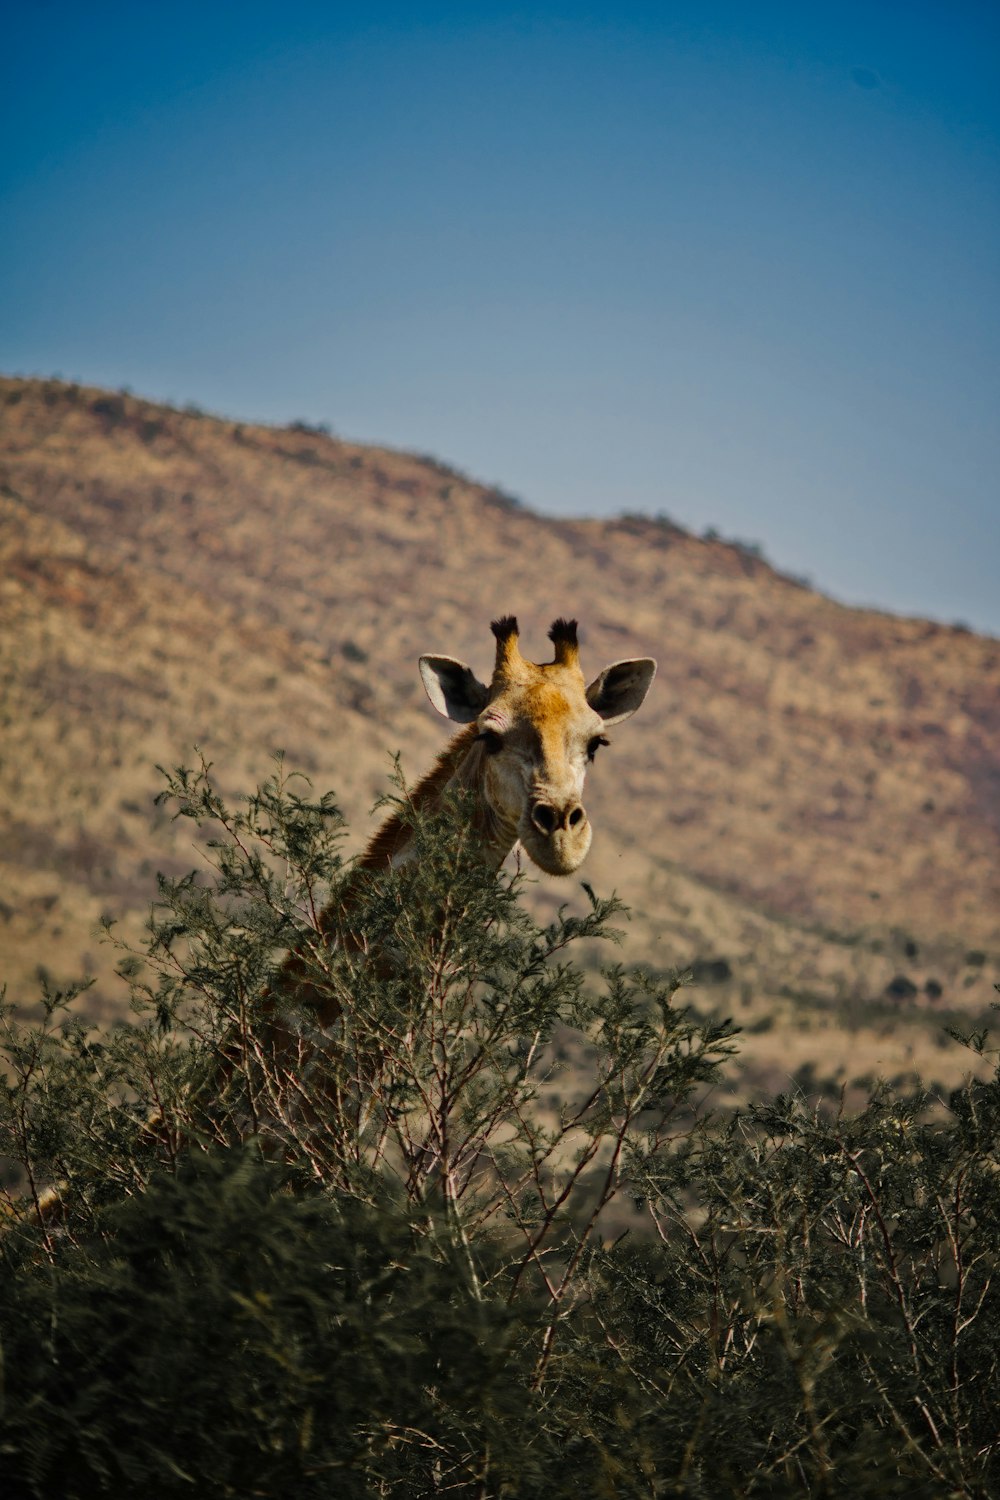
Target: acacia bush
(480, 1234)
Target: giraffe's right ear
(453, 688)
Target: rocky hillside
(807, 808)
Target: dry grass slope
(811, 797)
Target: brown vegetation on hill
(810, 799)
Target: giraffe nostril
(548, 818)
(544, 817)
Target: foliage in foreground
(477, 1237)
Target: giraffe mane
(395, 831)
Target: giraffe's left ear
(621, 688)
(453, 688)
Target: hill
(807, 808)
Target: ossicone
(562, 634)
(508, 652)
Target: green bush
(428, 1209)
(227, 1336)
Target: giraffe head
(539, 728)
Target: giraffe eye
(595, 743)
(492, 741)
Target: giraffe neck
(458, 767)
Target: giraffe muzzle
(558, 836)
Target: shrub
(111, 408)
(315, 429)
(476, 1235)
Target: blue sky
(736, 263)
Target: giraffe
(523, 752)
